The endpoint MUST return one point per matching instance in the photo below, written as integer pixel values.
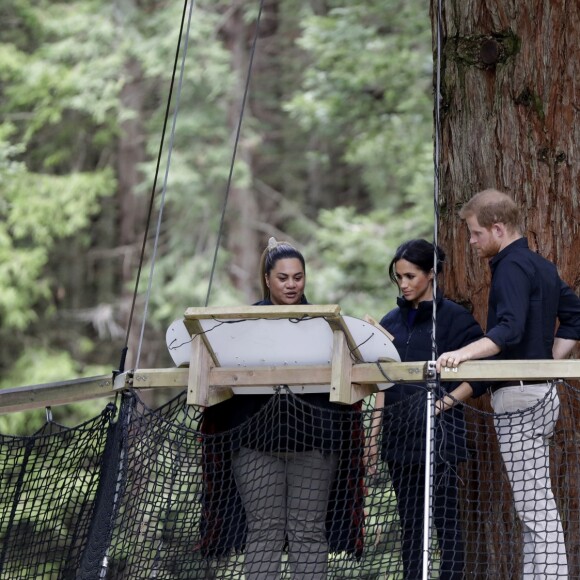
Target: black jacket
(283, 423)
(405, 403)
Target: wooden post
(341, 371)
(198, 383)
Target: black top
(526, 299)
(405, 403)
(285, 422)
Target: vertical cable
(164, 189)
(436, 163)
(152, 197)
(237, 139)
(432, 383)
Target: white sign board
(279, 342)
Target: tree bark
(243, 211)
(131, 206)
(510, 119)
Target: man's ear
(498, 229)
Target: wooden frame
(202, 388)
(207, 383)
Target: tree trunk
(242, 238)
(131, 207)
(510, 119)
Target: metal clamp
(430, 370)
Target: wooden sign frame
(203, 388)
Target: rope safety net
(301, 490)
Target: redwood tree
(510, 119)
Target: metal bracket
(430, 370)
(123, 380)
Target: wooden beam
(341, 369)
(254, 312)
(195, 329)
(329, 311)
(198, 383)
(364, 373)
(199, 367)
(54, 394)
(513, 370)
(389, 372)
(61, 393)
(160, 378)
(265, 376)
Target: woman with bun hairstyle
(405, 405)
(291, 459)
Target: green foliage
(39, 366)
(20, 25)
(182, 282)
(64, 92)
(335, 147)
(368, 90)
(352, 253)
(56, 96)
(35, 211)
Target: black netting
(298, 490)
(48, 485)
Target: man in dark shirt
(526, 300)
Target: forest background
(335, 155)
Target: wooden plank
(502, 370)
(57, 393)
(198, 384)
(341, 369)
(389, 372)
(195, 329)
(61, 393)
(330, 311)
(199, 367)
(265, 376)
(364, 373)
(160, 378)
(338, 324)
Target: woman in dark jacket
(405, 406)
(295, 462)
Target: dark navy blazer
(405, 403)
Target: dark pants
(409, 485)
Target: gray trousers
(523, 443)
(285, 495)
